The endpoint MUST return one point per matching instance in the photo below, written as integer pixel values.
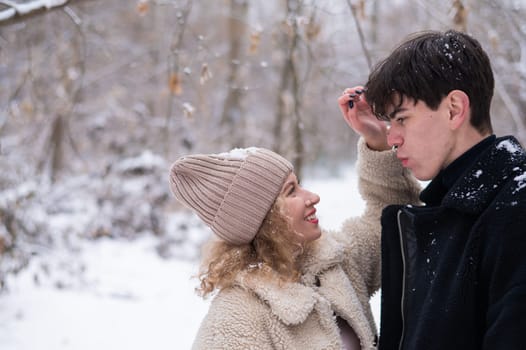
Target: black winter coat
(454, 275)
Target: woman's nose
(312, 199)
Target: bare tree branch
(360, 34)
(60, 132)
(289, 101)
(13, 96)
(232, 111)
(174, 67)
(15, 9)
(75, 96)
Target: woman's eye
(291, 191)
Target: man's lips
(403, 160)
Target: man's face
(423, 136)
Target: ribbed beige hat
(231, 192)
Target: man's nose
(393, 138)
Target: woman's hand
(361, 119)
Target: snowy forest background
(97, 98)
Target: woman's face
(298, 206)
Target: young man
(454, 269)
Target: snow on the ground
(127, 298)
(115, 294)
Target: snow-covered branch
(23, 8)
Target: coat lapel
(336, 287)
(290, 302)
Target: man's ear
(459, 108)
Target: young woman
(278, 281)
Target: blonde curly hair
(275, 249)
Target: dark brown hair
(429, 65)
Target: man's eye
(400, 120)
(292, 189)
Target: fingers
(346, 101)
(349, 101)
(358, 115)
(351, 96)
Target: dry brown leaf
(361, 9)
(27, 107)
(312, 30)
(175, 84)
(460, 18)
(494, 40)
(143, 7)
(255, 38)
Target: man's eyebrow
(397, 110)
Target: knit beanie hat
(231, 192)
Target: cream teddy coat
(339, 275)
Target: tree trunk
(289, 89)
(232, 119)
(56, 147)
(174, 74)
